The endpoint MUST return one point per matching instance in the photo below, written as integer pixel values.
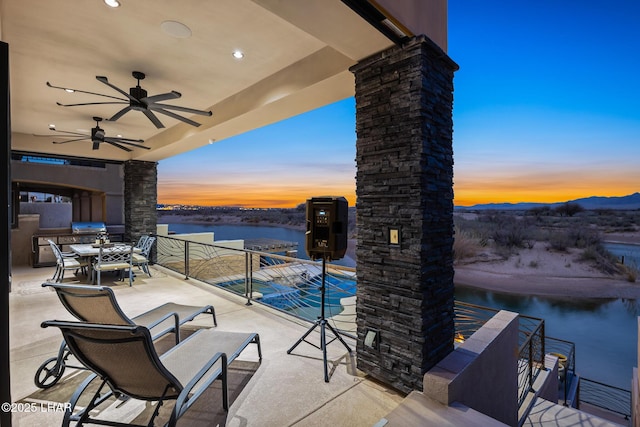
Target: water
(631, 253)
(246, 232)
(604, 330)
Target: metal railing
(291, 285)
(565, 351)
(604, 396)
(531, 341)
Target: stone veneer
(140, 198)
(404, 181)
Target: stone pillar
(404, 187)
(140, 198)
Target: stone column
(404, 188)
(140, 198)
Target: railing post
(542, 339)
(186, 259)
(531, 362)
(247, 278)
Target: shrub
(464, 245)
(602, 259)
(568, 209)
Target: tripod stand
(322, 322)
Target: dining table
(90, 251)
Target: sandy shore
(540, 271)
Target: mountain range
(629, 202)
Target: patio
(284, 390)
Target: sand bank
(540, 271)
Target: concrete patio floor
(284, 390)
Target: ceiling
(297, 55)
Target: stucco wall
(482, 373)
(98, 190)
(52, 215)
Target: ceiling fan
(138, 100)
(97, 137)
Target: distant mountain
(629, 202)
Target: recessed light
(212, 140)
(69, 90)
(112, 3)
(176, 29)
(52, 126)
(238, 54)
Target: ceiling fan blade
(161, 97)
(115, 144)
(153, 119)
(135, 141)
(67, 89)
(89, 103)
(120, 113)
(179, 108)
(177, 117)
(70, 140)
(70, 134)
(121, 141)
(104, 80)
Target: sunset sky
(546, 109)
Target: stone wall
(141, 198)
(404, 183)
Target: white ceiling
(297, 55)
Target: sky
(546, 109)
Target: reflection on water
(604, 330)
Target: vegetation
(566, 228)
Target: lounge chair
(125, 359)
(95, 304)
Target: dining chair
(114, 258)
(65, 261)
(141, 259)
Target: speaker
(327, 223)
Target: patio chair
(141, 260)
(95, 304)
(125, 359)
(115, 258)
(65, 261)
(141, 241)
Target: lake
(604, 330)
(631, 253)
(246, 232)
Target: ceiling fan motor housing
(138, 93)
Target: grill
(92, 228)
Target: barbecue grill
(81, 232)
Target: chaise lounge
(125, 359)
(98, 304)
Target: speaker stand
(323, 324)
